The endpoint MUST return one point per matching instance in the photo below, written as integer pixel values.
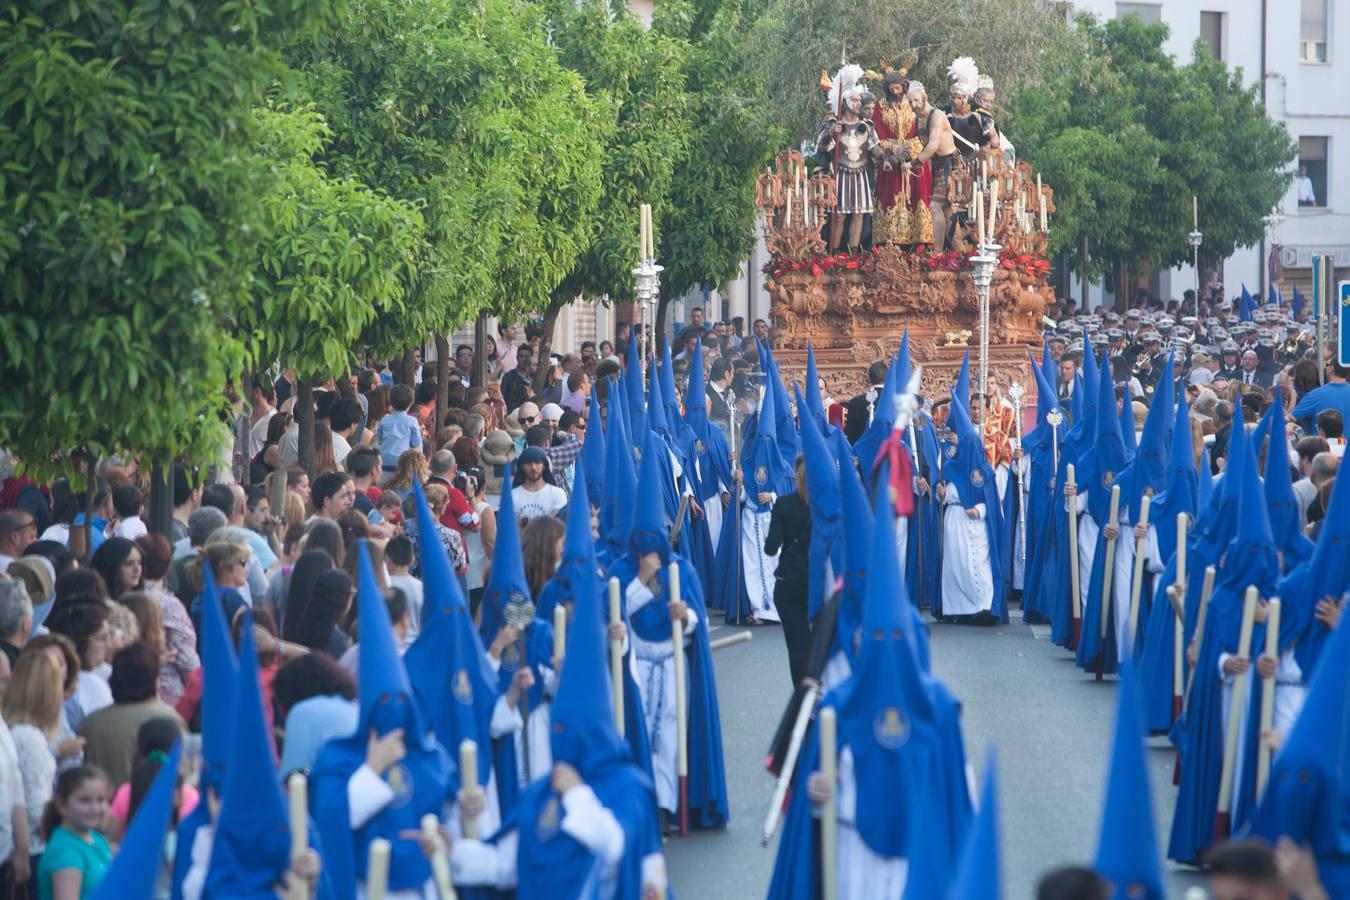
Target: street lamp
(1196, 238)
(984, 277)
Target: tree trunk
(160, 512)
(1086, 281)
(478, 378)
(662, 309)
(541, 367)
(81, 539)
(403, 372)
(304, 423)
(442, 379)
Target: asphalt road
(1049, 723)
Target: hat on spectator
(498, 449)
(551, 412)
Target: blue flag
(1245, 305)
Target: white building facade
(1300, 51)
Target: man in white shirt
(1306, 195)
(535, 496)
(264, 408)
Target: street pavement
(1049, 723)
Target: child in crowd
(77, 855)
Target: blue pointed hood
(1092, 379)
(1250, 558)
(651, 525)
(965, 465)
(620, 485)
(582, 733)
(980, 876)
(858, 523)
(1127, 847)
(219, 666)
(1279, 488)
(814, 405)
(1148, 469)
(1047, 359)
(696, 396)
(656, 405)
(1329, 565)
(593, 449)
(447, 665)
(669, 396)
(578, 544)
(822, 473)
(1103, 457)
(785, 428)
(385, 695)
(506, 582)
(903, 366)
(883, 422)
(886, 701)
(142, 849)
(633, 391)
(1182, 493)
(1046, 397)
(251, 848)
(762, 463)
(961, 386)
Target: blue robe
(708, 804)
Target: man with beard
(902, 212)
(935, 132)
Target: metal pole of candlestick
(984, 277)
(1196, 238)
(648, 277)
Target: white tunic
(760, 568)
(862, 873)
(654, 672)
(967, 564)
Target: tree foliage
(794, 39)
(462, 109)
(335, 255)
(127, 177)
(1126, 137)
(710, 228)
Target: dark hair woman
(311, 564)
(85, 622)
(315, 624)
(118, 561)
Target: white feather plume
(844, 79)
(964, 74)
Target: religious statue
(901, 215)
(848, 145)
(935, 133)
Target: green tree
(709, 230)
(462, 109)
(1126, 137)
(128, 179)
(334, 257)
(635, 73)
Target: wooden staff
(1206, 591)
(1223, 824)
(616, 657)
(559, 633)
(829, 817)
(1108, 570)
(440, 862)
(377, 869)
(468, 779)
(1178, 595)
(681, 714)
(1268, 695)
(1073, 558)
(1137, 584)
(297, 790)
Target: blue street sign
(1343, 323)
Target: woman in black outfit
(790, 533)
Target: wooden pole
(1206, 591)
(829, 817)
(559, 634)
(616, 657)
(1223, 824)
(297, 790)
(1073, 559)
(1140, 545)
(681, 714)
(440, 862)
(468, 778)
(1108, 569)
(1268, 689)
(1179, 601)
